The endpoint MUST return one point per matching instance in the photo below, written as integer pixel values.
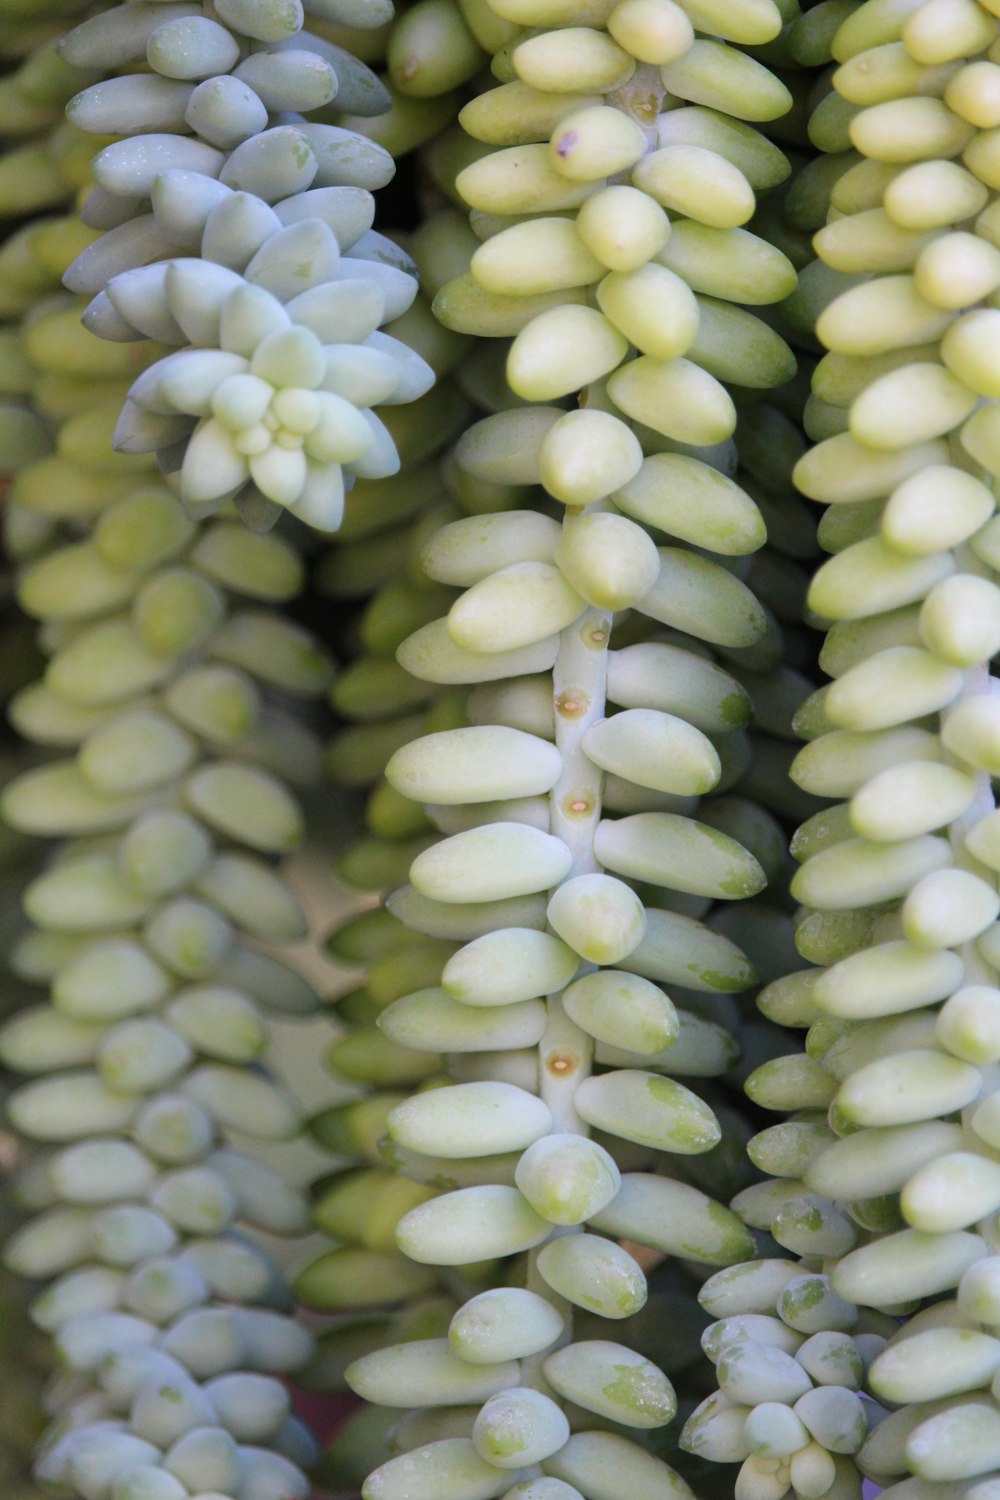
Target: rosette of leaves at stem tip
(289, 359)
(234, 211)
(886, 1177)
(791, 1358)
(171, 698)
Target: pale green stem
(579, 685)
(643, 98)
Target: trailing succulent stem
(887, 1185)
(169, 688)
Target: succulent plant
(651, 251)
